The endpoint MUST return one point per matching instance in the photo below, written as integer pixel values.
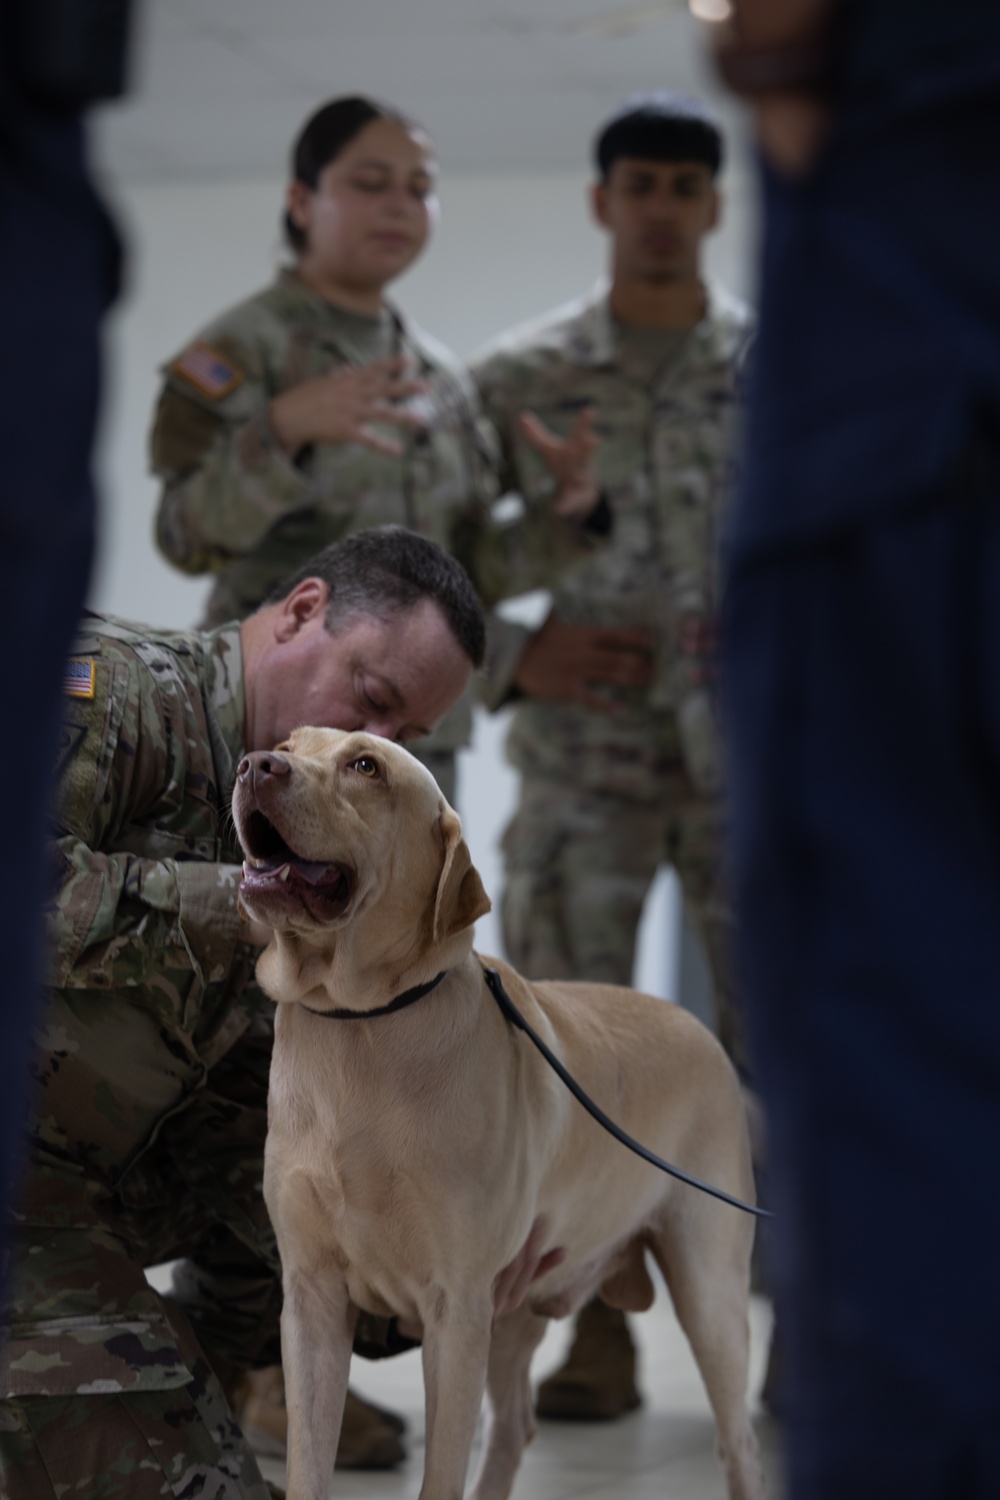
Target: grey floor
(664, 1451)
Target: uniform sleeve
(505, 645)
(693, 594)
(226, 482)
(121, 920)
(502, 394)
(530, 550)
(118, 918)
(527, 545)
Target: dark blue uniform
(862, 692)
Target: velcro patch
(207, 371)
(78, 677)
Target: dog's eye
(365, 765)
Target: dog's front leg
(456, 1350)
(317, 1332)
(510, 1418)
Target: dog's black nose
(261, 764)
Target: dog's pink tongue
(312, 871)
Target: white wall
(507, 248)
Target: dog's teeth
(285, 872)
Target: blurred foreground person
(862, 689)
(58, 273)
(634, 387)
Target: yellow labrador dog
(412, 1147)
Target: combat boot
(597, 1381)
(370, 1436)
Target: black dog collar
(408, 997)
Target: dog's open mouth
(272, 869)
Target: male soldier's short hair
(325, 134)
(387, 570)
(660, 126)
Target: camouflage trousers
(139, 1444)
(578, 865)
(112, 1391)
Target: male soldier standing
(147, 1139)
(617, 779)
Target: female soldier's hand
(343, 406)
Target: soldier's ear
(599, 203)
(307, 600)
(298, 201)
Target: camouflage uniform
(605, 799)
(235, 505)
(147, 1132)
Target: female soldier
(313, 409)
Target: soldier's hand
(563, 662)
(346, 406)
(569, 460)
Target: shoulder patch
(208, 371)
(78, 677)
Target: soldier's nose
(260, 764)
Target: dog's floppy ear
(460, 897)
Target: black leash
(514, 1016)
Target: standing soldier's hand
(343, 407)
(569, 460)
(564, 662)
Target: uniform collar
(596, 336)
(324, 312)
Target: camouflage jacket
(151, 986)
(147, 961)
(665, 429)
(235, 505)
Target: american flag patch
(78, 677)
(206, 369)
